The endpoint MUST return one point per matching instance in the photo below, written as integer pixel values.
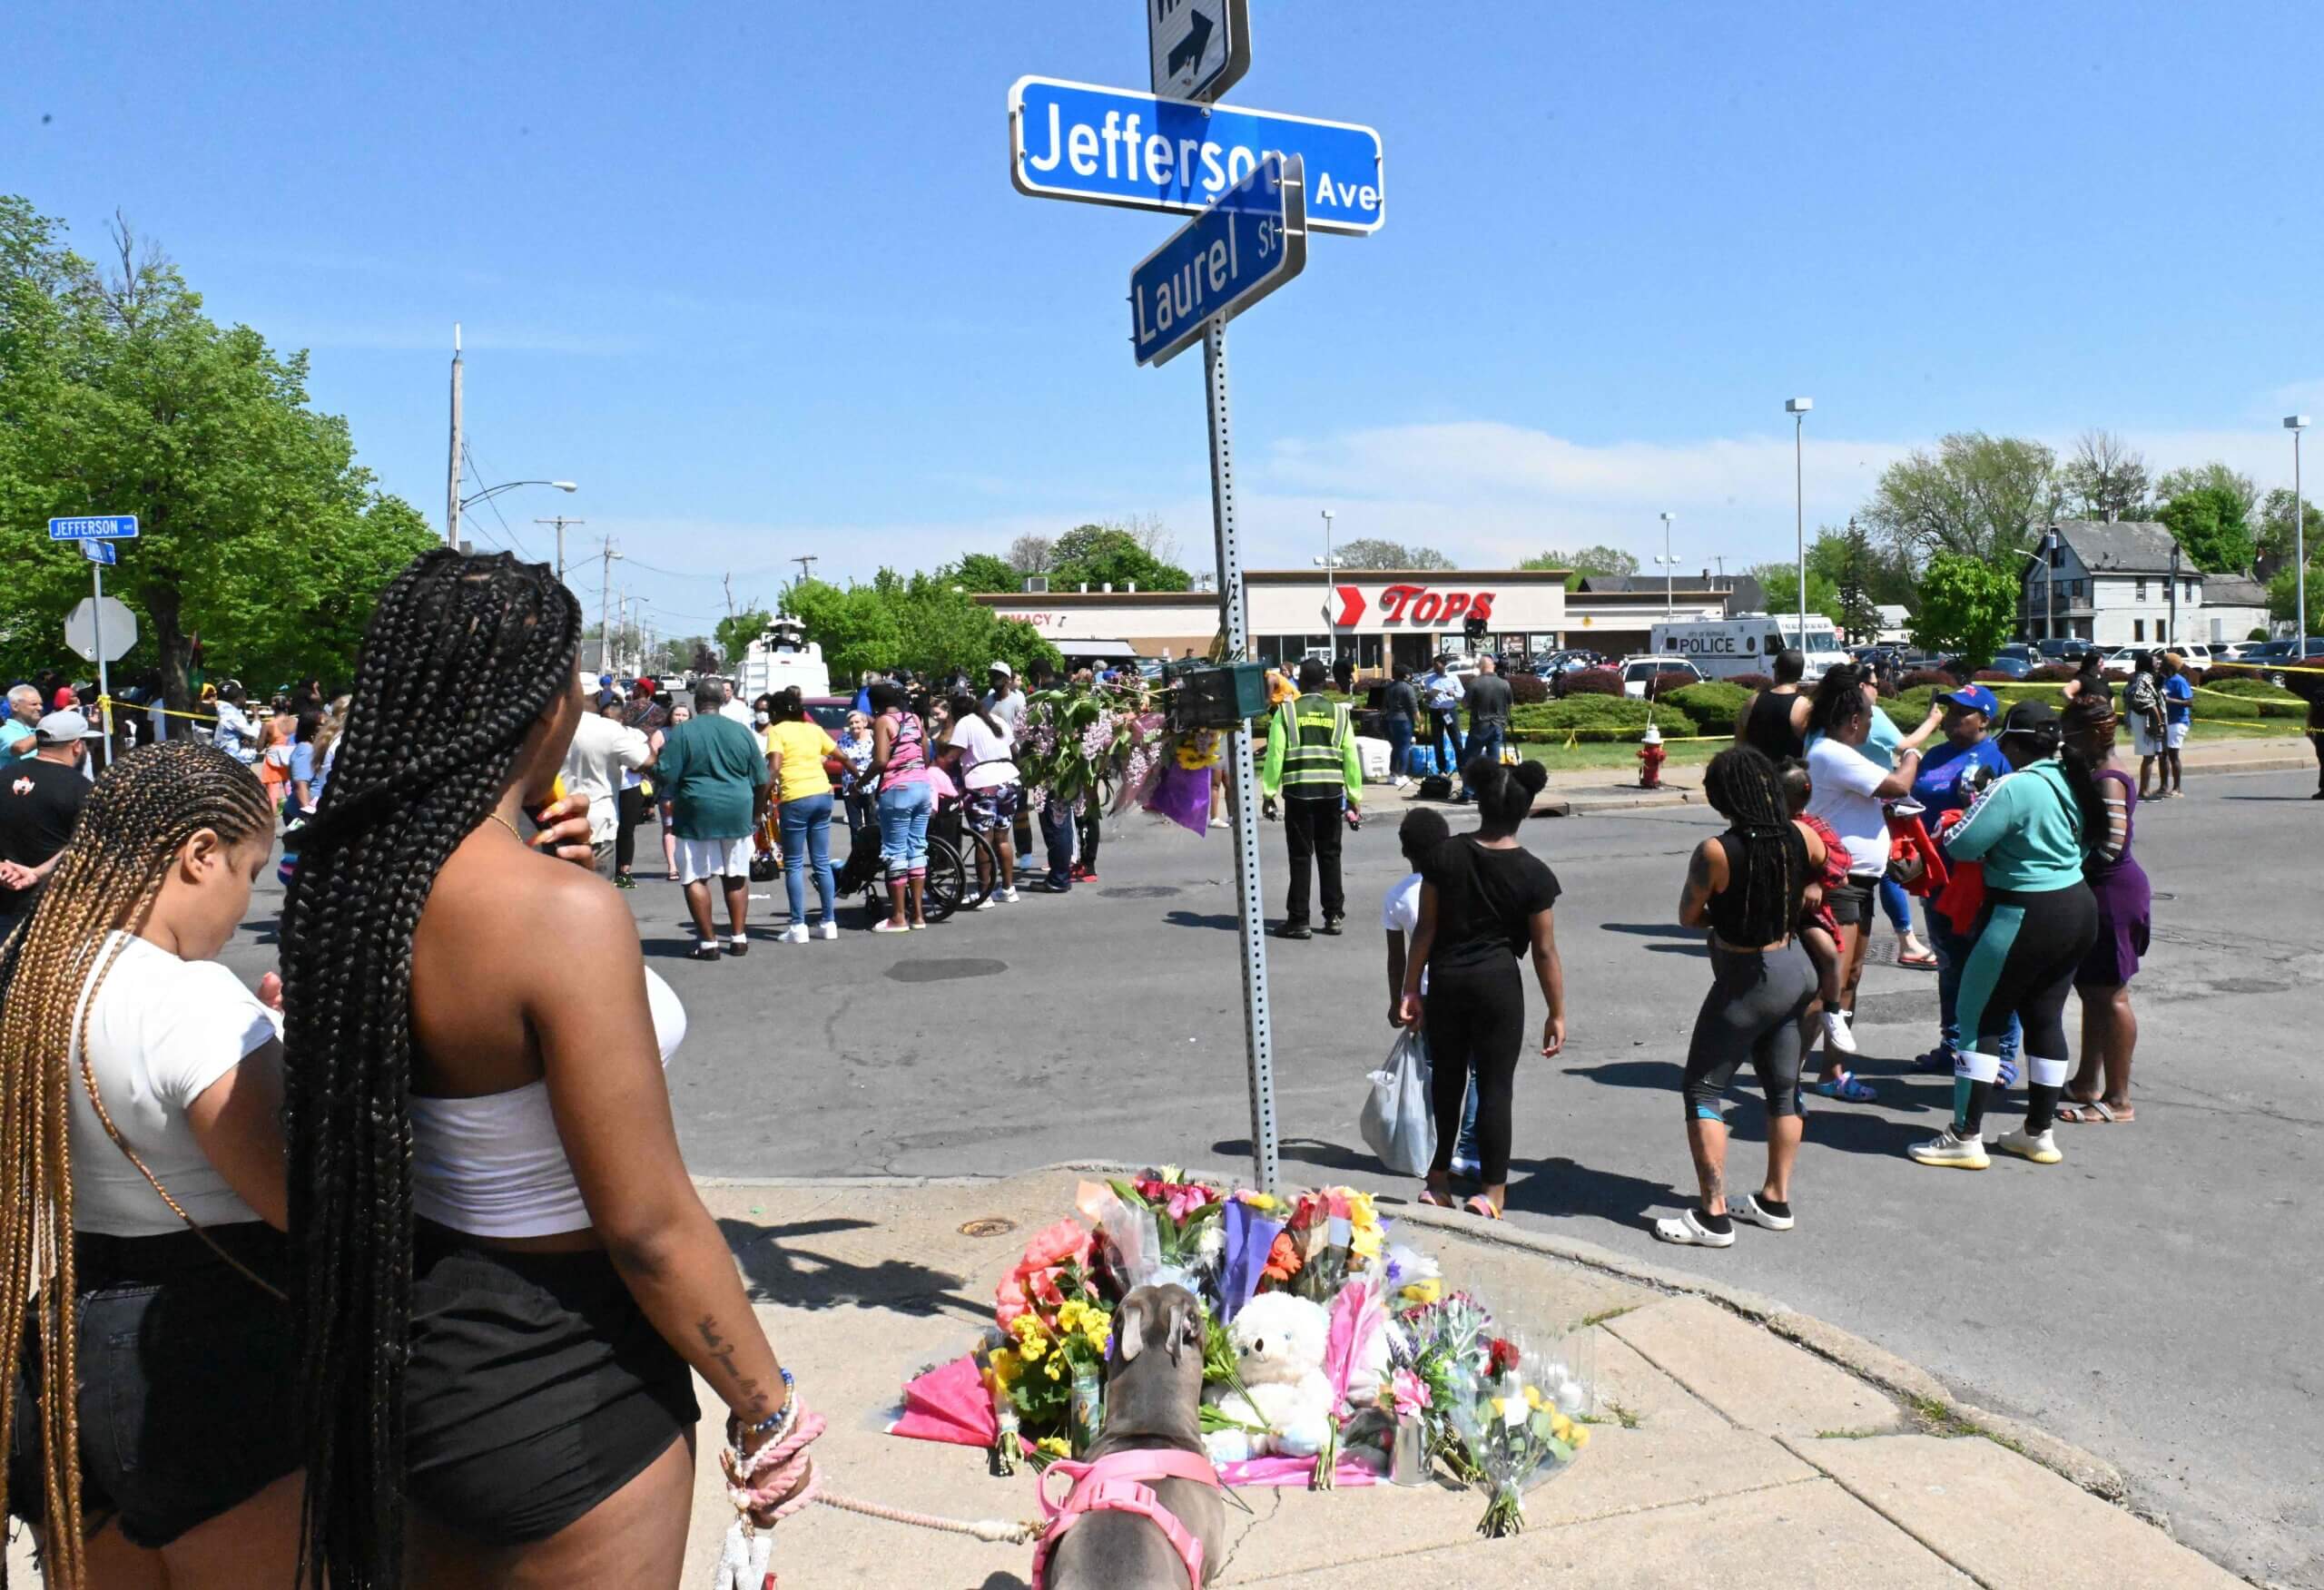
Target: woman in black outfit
(1484, 900)
(1749, 886)
(1773, 722)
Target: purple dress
(2124, 903)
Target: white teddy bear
(1280, 1342)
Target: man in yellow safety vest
(1313, 767)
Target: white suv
(1637, 671)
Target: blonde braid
(137, 818)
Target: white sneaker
(2041, 1147)
(1007, 897)
(1945, 1149)
(990, 902)
(1219, 822)
(827, 928)
(1837, 1038)
(1402, 781)
(796, 934)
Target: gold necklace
(504, 822)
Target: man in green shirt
(714, 771)
(1313, 765)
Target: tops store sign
(1415, 604)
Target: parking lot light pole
(2297, 423)
(1670, 572)
(1798, 408)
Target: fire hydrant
(1650, 758)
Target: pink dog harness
(1119, 1484)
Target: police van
(1723, 648)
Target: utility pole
(560, 522)
(605, 609)
(806, 566)
(452, 489)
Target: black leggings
(630, 806)
(1753, 1011)
(2028, 949)
(1475, 1019)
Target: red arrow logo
(1351, 606)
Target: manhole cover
(1140, 891)
(991, 1225)
(944, 971)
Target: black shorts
(1852, 902)
(538, 1387)
(188, 1404)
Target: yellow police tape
(165, 712)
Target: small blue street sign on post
(101, 552)
(1116, 146)
(1228, 258)
(94, 527)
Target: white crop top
(162, 1030)
(494, 1166)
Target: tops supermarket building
(1386, 617)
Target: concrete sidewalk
(1740, 1444)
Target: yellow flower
(1578, 1438)
(1533, 1399)
(1429, 1291)
(1055, 1367)
(1069, 1318)
(1562, 1426)
(1100, 1328)
(1027, 1326)
(1055, 1445)
(1006, 1366)
(1368, 1242)
(1262, 1201)
(1500, 1409)
(1032, 1350)
(1360, 1213)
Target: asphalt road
(2155, 1299)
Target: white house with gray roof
(2114, 585)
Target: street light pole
(2297, 423)
(1670, 572)
(560, 522)
(1331, 632)
(1798, 408)
(604, 593)
(452, 486)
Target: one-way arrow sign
(1201, 47)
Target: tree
(1096, 555)
(1367, 551)
(2180, 482)
(2279, 528)
(916, 621)
(1780, 581)
(1856, 613)
(1887, 573)
(705, 660)
(2105, 478)
(261, 540)
(735, 631)
(980, 571)
(1966, 604)
(2208, 522)
(1030, 555)
(1583, 562)
(2283, 591)
(1977, 496)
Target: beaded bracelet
(773, 1424)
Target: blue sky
(755, 276)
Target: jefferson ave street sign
(94, 527)
(1241, 249)
(1113, 146)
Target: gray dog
(1153, 1400)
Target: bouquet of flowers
(1328, 1236)
(1055, 1323)
(1159, 1229)
(1517, 1422)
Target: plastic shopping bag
(1399, 1118)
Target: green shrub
(1594, 717)
(2246, 685)
(1604, 682)
(1714, 705)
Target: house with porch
(2124, 584)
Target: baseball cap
(1976, 697)
(60, 727)
(2029, 718)
(1002, 669)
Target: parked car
(2065, 649)
(2014, 662)
(2021, 650)
(1637, 671)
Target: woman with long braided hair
(142, 1197)
(1748, 887)
(506, 1274)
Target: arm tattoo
(749, 1395)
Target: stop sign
(92, 612)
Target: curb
(1876, 1365)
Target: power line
(493, 503)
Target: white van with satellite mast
(781, 655)
(1747, 644)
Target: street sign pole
(1258, 1031)
(104, 688)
